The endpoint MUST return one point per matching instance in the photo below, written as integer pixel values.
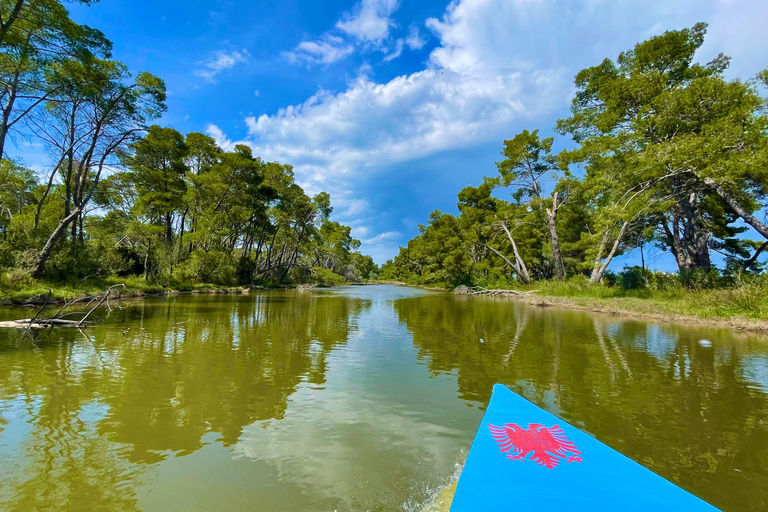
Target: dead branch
(59, 318)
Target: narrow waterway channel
(355, 399)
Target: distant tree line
(125, 198)
(667, 153)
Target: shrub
(207, 267)
(16, 278)
(325, 277)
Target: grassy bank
(746, 299)
(743, 305)
(19, 292)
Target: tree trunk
(42, 258)
(611, 254)
(557, 257)
(181, 231)
(525, 276)
(595, 277)
(737, 207)
(751, 261)
(168, 227)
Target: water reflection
(84, 413)
(356, 399)
(697, 415)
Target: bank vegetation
(124, 200)
(664, 153)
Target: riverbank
(36, 291)
(742, 307)
(648, 309)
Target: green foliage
(326, 277)
(214, 267)
(668, 153)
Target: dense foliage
(125, 198)
(666, 152)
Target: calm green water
(361, 398)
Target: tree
(113, 113)
(157, 167)
(37, 39)
(683, 134)
(528, 159)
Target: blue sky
(393, 106)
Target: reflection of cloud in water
(323, 443)
(659, 342)
(755, 370)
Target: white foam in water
(705, 343)
(440, 498)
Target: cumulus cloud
(499, 66)
(366, 27)
(219, 61)
(219, 136)
(370, 20)
(415, 41)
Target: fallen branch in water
(58, 320)
(479, 290)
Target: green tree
(157, 166)
(683, 138)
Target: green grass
(17, 287)
(746, 298)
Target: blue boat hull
(524, 458)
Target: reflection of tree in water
(687, 412)
(62, 464)
(186, 367)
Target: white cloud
(219, 61)
(366, 27)
(370, 21)
(326, 50)
(218, 135)
(500, 66)
(395, 52)
(414, 40)
(385, 237)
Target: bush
(214, 267)
(16, 278)
(699, 279)
(635, 278)
(325, 277)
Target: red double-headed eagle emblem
(546, 445)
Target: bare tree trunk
(557, 257)
(181, 231)
(525, 276)
(169, 227)
(42, 258)
(751, 261)
(595, 277)
(601, 270)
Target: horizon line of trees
(668, 153)
(125, 198)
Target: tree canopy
(666, 151)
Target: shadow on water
(697, 415)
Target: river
(356, 399)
